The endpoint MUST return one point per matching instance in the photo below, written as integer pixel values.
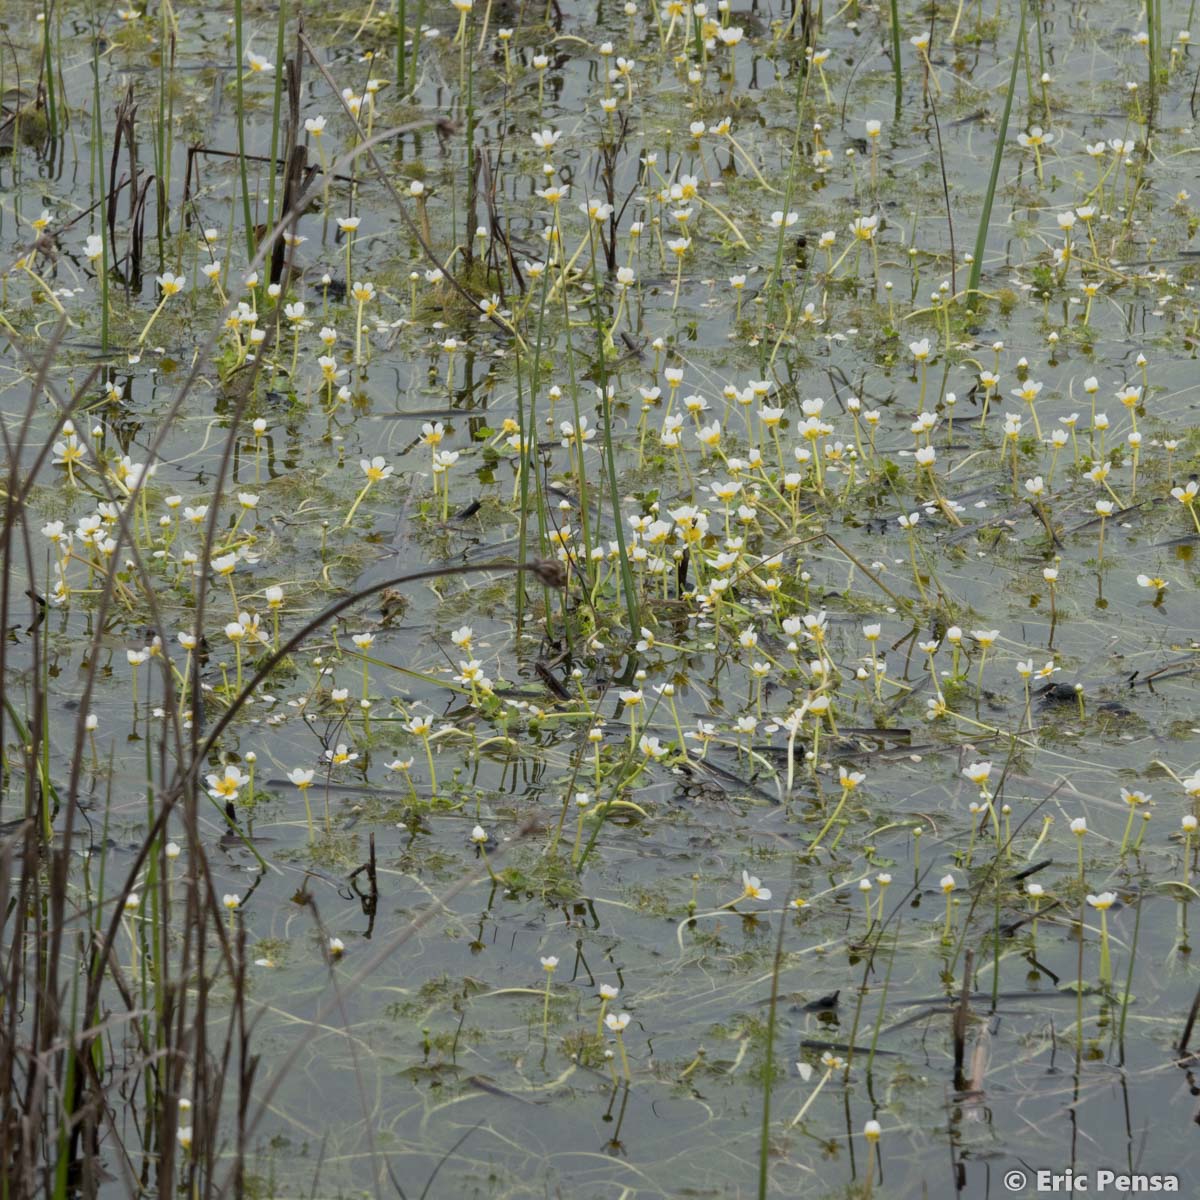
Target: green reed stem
(161, 153)
(61, 1180)
(897, 68)
(273, 169)
(1079, 982)
(526, 431)
(240, 51)
(49, 76)
(98, 144)
(1128, 993)
(887, 979)
(401, 57)
(764, 1145)
(628, 586)
(985, 215)
(1153, 27)
(772, 286)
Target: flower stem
(357, 501)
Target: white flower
(651, 747)
(375, 468)
(864, 228)
(978, 772)
(1035, 138)
(226, 786)
(339, 756)
(753, 888)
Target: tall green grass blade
(401, 57)
(273, 173)
(101, 191)
(239, 68)
(628, 585)
(897, 68)
(985, 215)
(764, 1145)
(527, 432)
(48, 75)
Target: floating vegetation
(598, 601)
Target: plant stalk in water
(985, 215)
